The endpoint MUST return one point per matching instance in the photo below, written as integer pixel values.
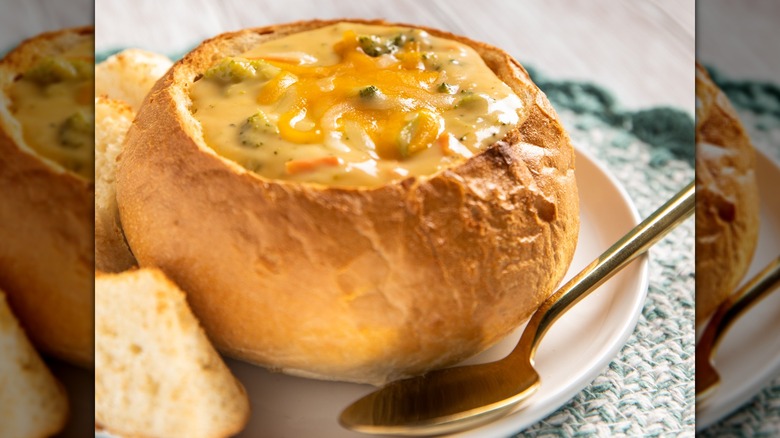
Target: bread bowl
(46, 204)
(726, 198)
(363, 280)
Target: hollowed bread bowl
(364, 284)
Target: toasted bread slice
(32, 402)
(129, 75)
(156, 374)
(112, 120)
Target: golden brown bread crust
(363, 284)
(112, 119)
(46, 227)
(726, 198)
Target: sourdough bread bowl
(47, 196)
(364, 282)
(726, 198)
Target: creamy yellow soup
(54, 103)
(353, 105)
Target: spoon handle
(736, 304)
(630, 246)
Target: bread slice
(121, 84)
(112, 120)
(32, 402)
(129, 75)
(156, 374)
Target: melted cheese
(353, 105)
(54, 103)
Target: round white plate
(749, 356)
(578, 347)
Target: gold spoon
(707, 378)
(453, 399)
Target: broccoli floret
(374, 45)
(77, 131)
(368, 92)
(238, 69)
(50, 70)
(255, 131)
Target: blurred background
(640, 49)
(20, 20)
(738, 43)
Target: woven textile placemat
(648, 389)
(758, 105)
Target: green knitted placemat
(758, 105)
(648, 389)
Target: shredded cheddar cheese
(353, 105)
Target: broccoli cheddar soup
(353, 105)
(54, 102)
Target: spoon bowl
(444, 401)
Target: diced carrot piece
(300, 166)
(444, 143)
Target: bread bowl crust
(357, 284)
(46, 212)
(726, 198)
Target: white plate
(745, 369)
(574, 352)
